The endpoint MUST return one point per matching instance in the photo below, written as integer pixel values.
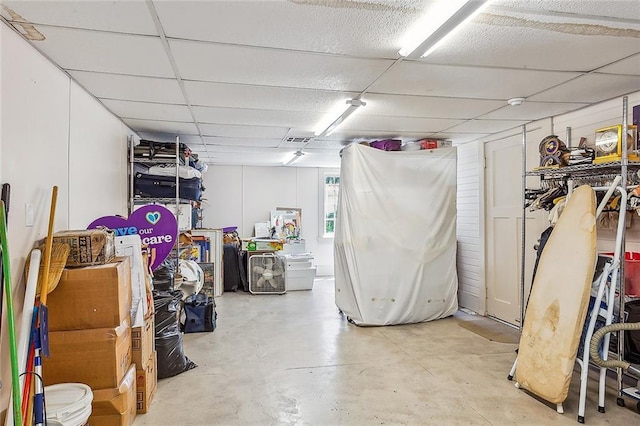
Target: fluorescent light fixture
(292, 159)
(354, 104)
(440, 24)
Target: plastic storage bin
(631, 273)
(300, 279)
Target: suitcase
(165, 187)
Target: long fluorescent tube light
(455, 20)
(354, 104)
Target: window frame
(322, 210)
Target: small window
(331, 189)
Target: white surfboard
(559, 300)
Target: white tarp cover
(395, 237)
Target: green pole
(15, 375)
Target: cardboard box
(99, 357)
(88, 246)
(91, 297)
(115, 406)
(146, 384)
(208, 285)
(261, 245)
(142, 342)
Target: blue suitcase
(165, 187)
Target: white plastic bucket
(68, 404)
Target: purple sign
(156, 225)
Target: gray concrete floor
(293, 359)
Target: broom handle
(13, 351)
(48, 248)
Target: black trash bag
(171, 358)
(163, 276)
(231, 264)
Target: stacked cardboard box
(90, 338)
(145, 359)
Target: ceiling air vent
(298, 140)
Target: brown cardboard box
(99, 357)
(146, 384)
(88, 246)
(115, 406)
(142, 342)
(91, 297)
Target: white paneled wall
(52, 133)
(470, 256)
(243, 195)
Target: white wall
(243, 195)
(52, 133)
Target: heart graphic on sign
(153, 217)
(156, 225)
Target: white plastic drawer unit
(296, 261)
(300, 279)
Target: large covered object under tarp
(395, 237)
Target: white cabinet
(299, 272)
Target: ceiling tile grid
(251, 73)
(132, 88)
(274, 67)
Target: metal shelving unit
(585, 173)
(141, 200)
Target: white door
(503, 228)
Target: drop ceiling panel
(629, 66)
(105, 52)
(233, 131)
(262, 117)
(485, 126)
(346, 136)
(263, 97)
(148, 111)
(326, 144)
(190, 140)
(591, 88)
(274, 67)
(397, 124)
(497, 40)
(425, 106)
(126, 87)
(625, 9)
(531, 111)
(233, 141)
(412, 78)
(118, 16)
(332, 27)
(167, 127)
(458, 137)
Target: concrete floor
(292, 359)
